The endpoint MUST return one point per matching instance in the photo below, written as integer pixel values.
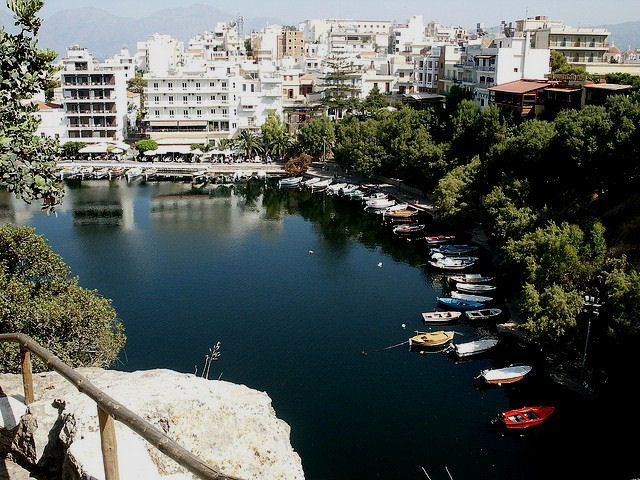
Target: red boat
(525, 417)
(438, 239)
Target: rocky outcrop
(229, 426)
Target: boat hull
(525, 417)
(441, 317)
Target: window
(224, 111)
(169, 85)
(155, 85)
(171, 113)
(156, 99)
(157, 112)
(251, 121)
(253, 87)
(197, 84)
(244, 87)
(185, 99)
(212, 84)
(185, 113)
(224, 85)
(515, 70)
(199, 113)
(224, 98)
(184, 84)
(170, 99)
(198, 99)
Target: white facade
(408, 38)
(426, 68)
(205, 101)
(264, 44)
(122, 61)
(160, 53)
(94, 98)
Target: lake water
(186, 270)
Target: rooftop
(521, 86)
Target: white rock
(11, 410)
(229, 426)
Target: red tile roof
(521, 86)
(43, 105)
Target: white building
(409, 37)
(224, 41)
(206, 101)
(160, 53)
(51, 116)
(122, 61)
(426, 70)
(94, 98)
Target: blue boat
(459, 304)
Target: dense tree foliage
(146, 145)
(275, 136)
(298, 165)
(39, 298)
(317, 137)
(26, 161)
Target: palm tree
(227, 143)
(249, 143)
(281, 146)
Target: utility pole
(591, 308)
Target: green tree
(249, 143)
(26, 166)
(146, 145)
(552, 313)
(338, 85)
(559, 64)
(509, 215)
(375, 100)
(317, 137)
(275, 136)
(39, 298)
(137, 84)
(72, 148)
(357, 145)
(456, 197)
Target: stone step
(13, 471)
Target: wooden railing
(109, 410)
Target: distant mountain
(104, 34)
(624, 35)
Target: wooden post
(109, 445)
(27, 378)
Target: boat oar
(364, 352)
(425, 472)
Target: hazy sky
(462, 12)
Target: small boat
(311, 181)
(380, 204)
(408, 229)
(511, 374)
(472, 298)
(401, 213)
(440, 317)
(483, 314)
(116, 172)
(452, 264)
(335, 188)
(153, 171)
(348, 189)
(459, 303)
(454, 249)
(321, 185)
(101, 173)
(474, 287)
(69, 172)
(448, 258)
(475, 347)
(526, 417)
(376, 196)
(357, 194)
(86, 172)
(134, 173)
(431, 339)
(470, 278)
(289, 182)
(438, 239)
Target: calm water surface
(186, 270)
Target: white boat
(290, 182)
(321, 185)
(470, 278)
(380, 204)
(475, 347)
(376, 196)
(348, 189)
(473, 298)
(311, 181)
(398, 206)
(441, 317)
(498, 376)
(101, 173)
(335, 188)
(484, 314)
(449, 263)
(446, 258)
(474, 287)
(134, 173)
(150, 172)
(86, 172)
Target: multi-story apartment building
(205, 101)
(449, 58)
(426, 71)
(94, 98)
(122, 61)
(290, 44)
(579, 45)
(160, 54)
(409, 37)
(505, 60)
(275, 42)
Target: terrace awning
(163, 149)
(97, 148)
(164, 123)
(193, 123)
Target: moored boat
(459, 304)
(440, 317)
(431, 339)
(450, 263)
(376, 196)
(454, 249)
(470, 278)
(526, 417)
(335, 188)
(321, 185)
(474, 287)
(401, 213)
(380, 204)
(408, 229)
(483, 314)
(348, 189)
(511, 374)
(438, 239)
(474, 347)
(472, 298)
(289, 182)
(311, 181)
(134, 173)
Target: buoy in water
(311, 252)
(380, 264)
(404, 325)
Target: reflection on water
(186, 268)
